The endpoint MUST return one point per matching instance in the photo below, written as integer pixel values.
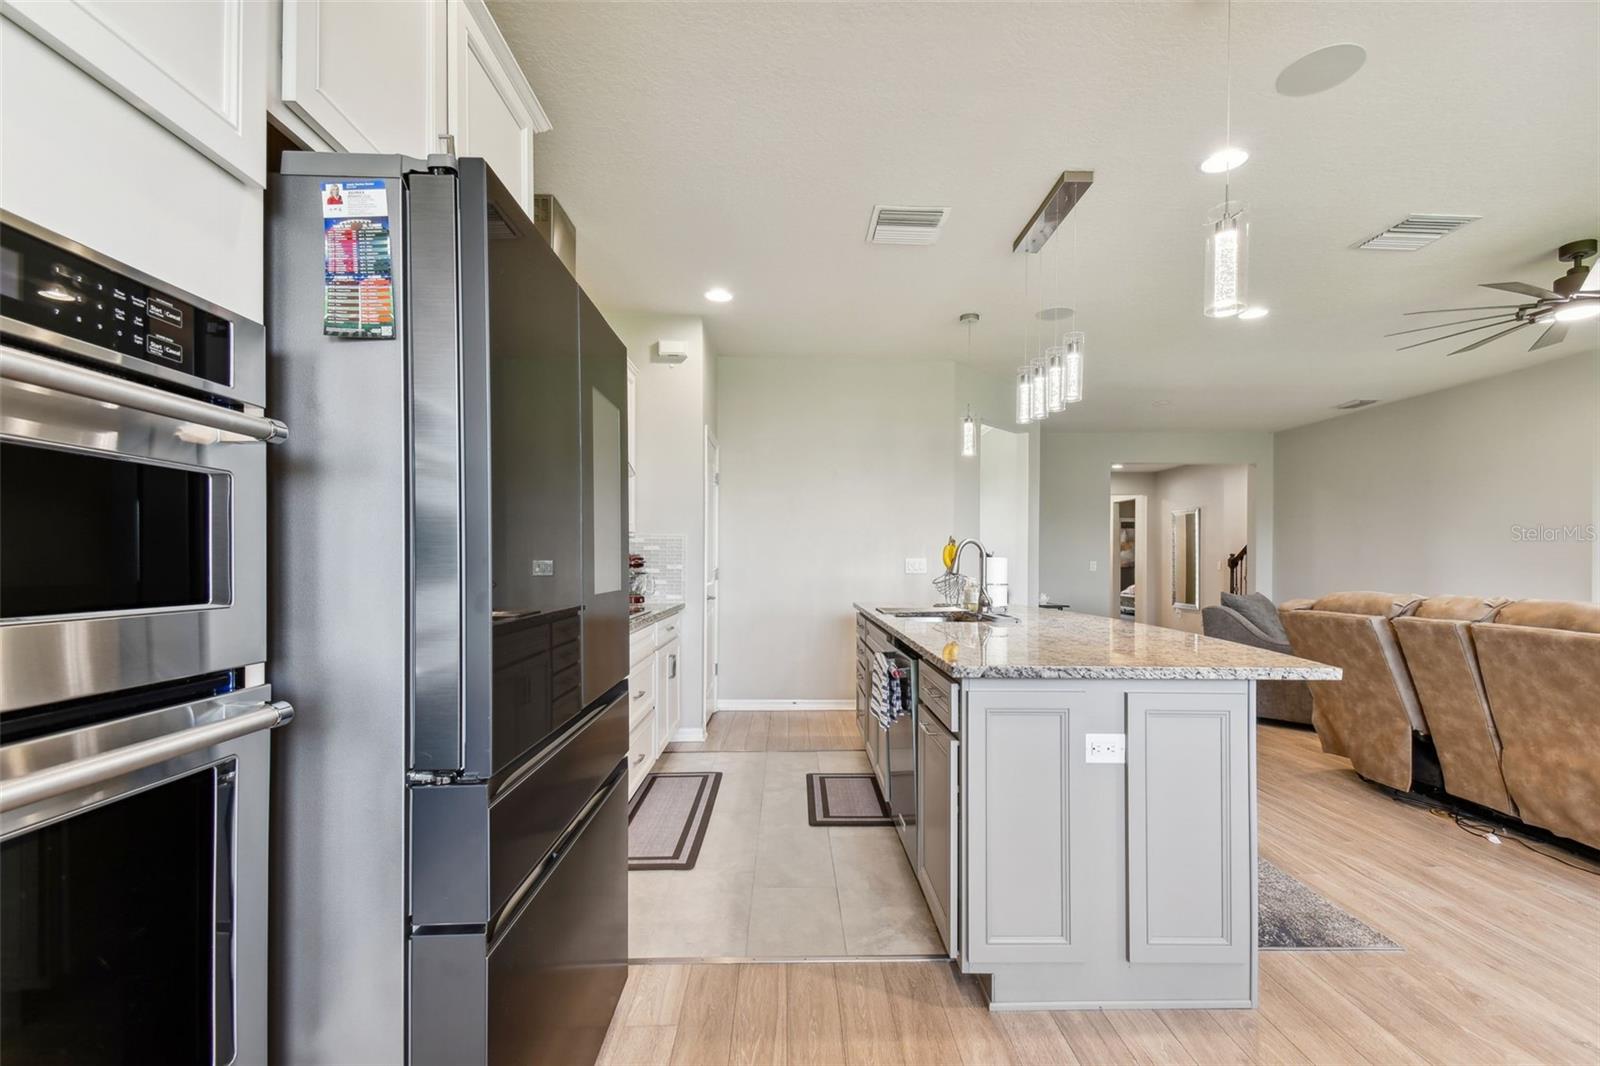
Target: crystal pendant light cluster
(1228, 235)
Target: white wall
(669, 459)
(80, 160)
(834, 471)
(1222, 494)
(1075, 483)
(1004, 499)
(1425, 495)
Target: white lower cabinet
(669, 691)
(641, 750)
(655, 695)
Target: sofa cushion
(1460, 608)
(1552, 614)
(1381, 604)
(1260, 612)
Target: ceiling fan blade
(1458, 333)
(1554, 335)
(1592, 282)
(1490, 337)
(1524, 288)
(1452, 310)
(1444, 325)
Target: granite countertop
(652, 613)
(1047, 644)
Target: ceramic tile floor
(768, 885)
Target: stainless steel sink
(946, 614)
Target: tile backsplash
(664, 555)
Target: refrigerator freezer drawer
(557, 971)
(537, 803)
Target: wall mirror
(1186, 559)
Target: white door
(713, 575)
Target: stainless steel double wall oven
(134, 755)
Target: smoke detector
(906, 225)
(670, 352)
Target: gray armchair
(1280, 701)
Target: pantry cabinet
(368, 77)
(194, 68)
(492, 111)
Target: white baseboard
(688, 735)
(786, 705)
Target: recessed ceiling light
(1579, 312)
(1254, 312)
(718, 295)
(1319, 71)
(1116, 466)
(1224, 159)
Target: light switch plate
(1105, 747)
(1094, 566)
(544, 568)
(916, 566)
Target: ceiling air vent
(1416, 231)
(906, 225)
(1351, 405)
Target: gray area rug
(667, 820)
(1294, 917)
(845, 799)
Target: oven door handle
(30, 369)
(107, 766)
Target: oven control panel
(56, 290)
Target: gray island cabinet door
(1190, 854)
(1022, 790)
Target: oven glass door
(134, 548)
(116, 929)
(89, 533)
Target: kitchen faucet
(985, 605)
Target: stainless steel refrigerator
(449, 615)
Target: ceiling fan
(1573, 297)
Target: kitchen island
(1078, 797)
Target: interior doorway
(1003, 479)
(1131, 588)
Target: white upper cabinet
(368, 77)
(196, 67)
(493, 112)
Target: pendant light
(1228, 233)
(1025, 372)
(1038, 390)
(969, 428)
(1055, 378)
(1072, 365)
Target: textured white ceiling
(745, 144)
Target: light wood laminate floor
(1501, 964)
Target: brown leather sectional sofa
(1506, 693)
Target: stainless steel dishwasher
(901, 751)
